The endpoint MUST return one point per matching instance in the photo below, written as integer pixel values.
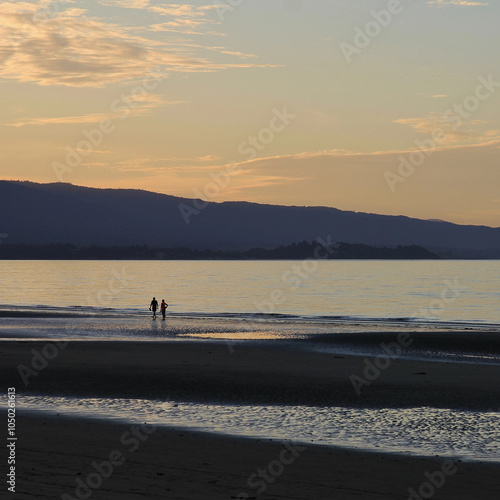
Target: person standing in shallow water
(163, 308)
(153, 307)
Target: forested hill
(41, 214)
(303, 250)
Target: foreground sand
(53, 452)
(249, 372)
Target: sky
(380, 106)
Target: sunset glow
(386, 106)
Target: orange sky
(381, 106)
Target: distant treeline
(296, 251)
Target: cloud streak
(459, 3)
(138, 106)
(341, 179)
(74, 49)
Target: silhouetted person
(153, 307)
(163, 308)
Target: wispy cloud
(126, 4)
(336, 178)
(460, 3)
(344, 179)
(185, 166)
(491, 139)
(74, 49)
(313, 168)
(431, 96)
(438, 124)
(181, 18)
(137, 106)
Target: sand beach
(56, 452)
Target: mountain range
(33, 213)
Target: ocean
(381, 290)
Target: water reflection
(419, 431)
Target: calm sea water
(465, 291)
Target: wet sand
(272, 373)
(54, 452)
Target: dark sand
(253, 373)
(53, 452)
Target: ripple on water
(424, 431)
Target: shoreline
(244, 318)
